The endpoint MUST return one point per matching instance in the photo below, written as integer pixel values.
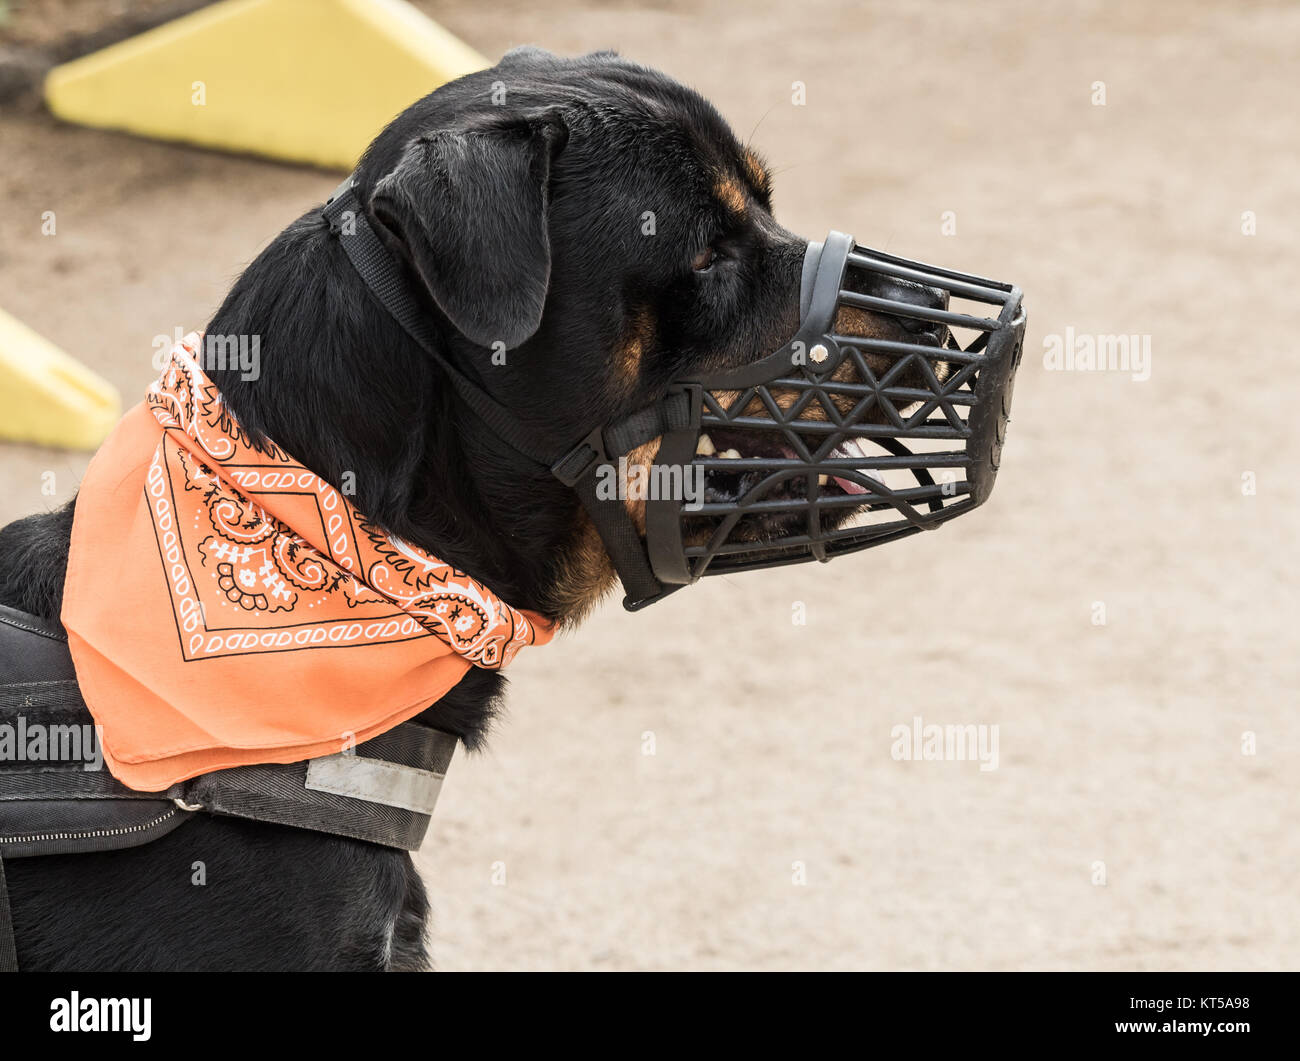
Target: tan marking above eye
(731, 194)
(757, 174)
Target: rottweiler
(603, 223)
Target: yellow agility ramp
(46, 396)
(301, 80)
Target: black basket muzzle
(841, 440)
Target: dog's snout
(919, 295)
(902, 294)
(906, 293)
(897, 290)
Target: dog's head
(595, 224)
(584, 232)
(579, 233)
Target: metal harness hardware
(55, 803)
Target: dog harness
(56, 798)
(225, 606)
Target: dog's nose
(908, 293)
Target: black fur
(520, 221)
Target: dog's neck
(343, 388)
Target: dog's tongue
(851, 448)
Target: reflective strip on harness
(375, 780)
(383, 792)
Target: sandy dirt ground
(771, 828)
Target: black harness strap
(65, 802)
(656, 420)
(622, 543)
(8, 949)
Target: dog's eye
(703, 261)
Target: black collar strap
(576, 466)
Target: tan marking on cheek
(584, 574)
(851, 320)
(643, 456)
(635, 344)
(731, 194)
(785, 398)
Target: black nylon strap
(649, 423)
(622, 542)
(375, 265)
(279, 792)
(379, 272)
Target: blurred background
(710, 785)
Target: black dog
(606, 227)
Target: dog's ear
(528, 55)
(472, 208)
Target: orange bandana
(226, 606)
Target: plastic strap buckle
(333, 210)
(579, 461)
(644, 602)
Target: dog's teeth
(730, 454)
(822, 480)
(705, 446)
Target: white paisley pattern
(265, 555)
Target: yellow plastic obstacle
(48, 397)
(303, 80)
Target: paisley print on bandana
(226, 606)
(243, 580)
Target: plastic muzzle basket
(858, 441)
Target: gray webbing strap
(383, 792)
(8, 950)
(376, 781)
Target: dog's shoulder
(34, 561)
